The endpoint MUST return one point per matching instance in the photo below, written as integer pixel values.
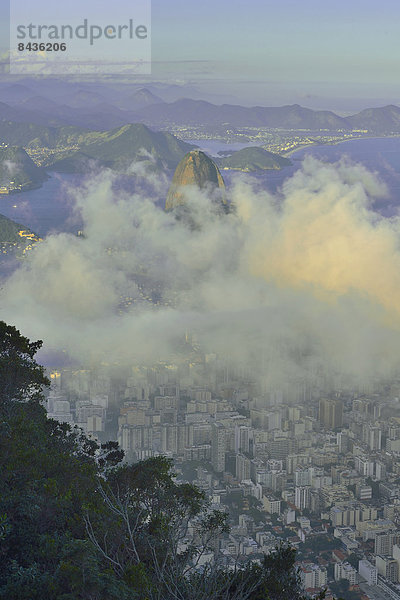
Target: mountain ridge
(121, 146)
(292, 116)
(104, 114)
(10, 232)
(18, 171)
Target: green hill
(30, 135)
(119, 147)
(116, 148)
(384, 119)
(9, 230)
(61, 501)
(15, 239)
(18, 171)
(253, 159)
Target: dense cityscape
(315, 469)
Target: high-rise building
(293, 460)
(169, 438)
(368, 572)
(393, 445)
(364, 492)
(242, 439)
(312, 576)
(343, 442)
(271, 504)
(388, 568)
(302, 476)
(384, 542)
(344, 570)
(242, 467)
(389, 511)
(302, 497)
(396, 554)
(218, 447)
(364, 466)
(331, 413)
(198, 453)
(372, 436)
(280, 447)
(132, 438)
(59, 409)
(380, 470)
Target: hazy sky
(257, 47)
(322, 46)
(306, 40)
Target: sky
(312, 47)
(259, 49)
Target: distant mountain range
(79, 108)
(102, 109)
(139, 99)
(198, 112)
(40, 110)
(195, 112)
(108, 91)
(77, 126)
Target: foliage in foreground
(76, 523)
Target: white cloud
(305, 280)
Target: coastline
(336, 143)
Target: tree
(276, 578)
(353, 560)
(76, 524)
(21, 377)
(48, 476)
(146, 532)
(144, 538)
(375, 487)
